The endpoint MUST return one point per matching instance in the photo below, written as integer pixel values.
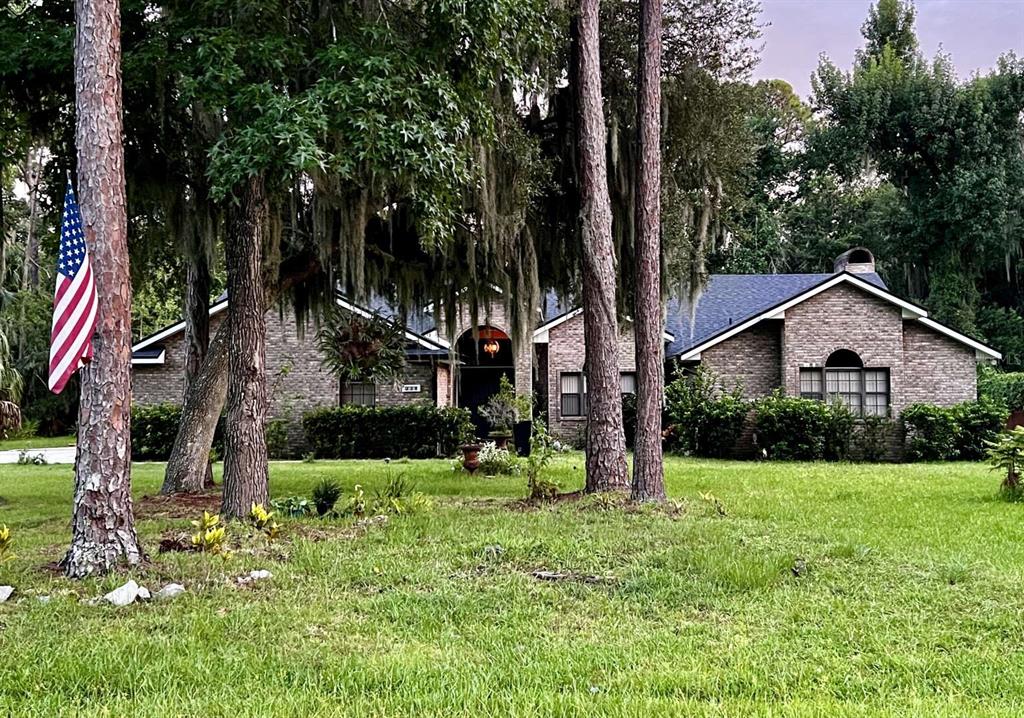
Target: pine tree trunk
(648, 470)
(102, 525)
(203, 402)
(245, 446)
(606, 443)
(197, 324)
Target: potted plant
(503, 410)
(471, 457)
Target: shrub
(154, 428)
(1006, 388)
(362, 432)
(705, 420)
(980, 422)
(932, 432)
(325, 495)
(278, 446)
(1006, 454)
(497, 461)
(209, 536)
(805, 429)
(541, 487)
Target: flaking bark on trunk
(648, 471)
(102, 525)
(245, 445)
(606, 443)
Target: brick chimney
(858, 260)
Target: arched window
(865, 391)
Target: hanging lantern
(491, 347)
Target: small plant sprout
(6, 543)
(209, 535)
(1006, 454)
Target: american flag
(74, 302)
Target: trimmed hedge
(938, 433)
(788, 427)
(154, 428)
(362, 432)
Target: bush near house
(1006, 388)
(154, 428)
(705, 420)
(362, 432)
(938, 433)
(788, 427)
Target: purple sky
(974, 32)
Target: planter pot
(500, 438)
(471, 457)
(522, 432)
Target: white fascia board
(366, 314)
(979, 348)
(912, 310)
(150, 360)
(175, 328)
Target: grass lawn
(908, 602)
(36, 442)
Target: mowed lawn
(906, 599)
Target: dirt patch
(178, 506)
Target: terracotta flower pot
(471, 457)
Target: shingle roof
(730, 299)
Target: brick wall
(751, 360)
(297, 382)
(936, 369)
(566, 354)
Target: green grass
(36, 442)
(908, 602)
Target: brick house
(817, 335)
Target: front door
(484, 359)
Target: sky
(974, 32)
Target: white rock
(144, 594)
(123, 595)
(43, 599)
(5, 592)
(255, 574)
(171, 590)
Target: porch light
(491, 347)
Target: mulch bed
(178, 506)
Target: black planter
(521, 434)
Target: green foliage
(1003, 328)
(705, 419)
(541, 487)
(398, 496)
(262, 520)
(356, 348)
(795, 428)
(292, 506)
(155, 427)
(417, 431)
(979, 423)
(931, 431)
(1006, 453)
(505, 407)
(1005, 388)
(278, 444)
(937, 433)
(325, 495)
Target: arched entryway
(483, 359)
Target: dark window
(574, 394)
(627, 382)
(865, 392)
(811, 384)
(359, 393)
